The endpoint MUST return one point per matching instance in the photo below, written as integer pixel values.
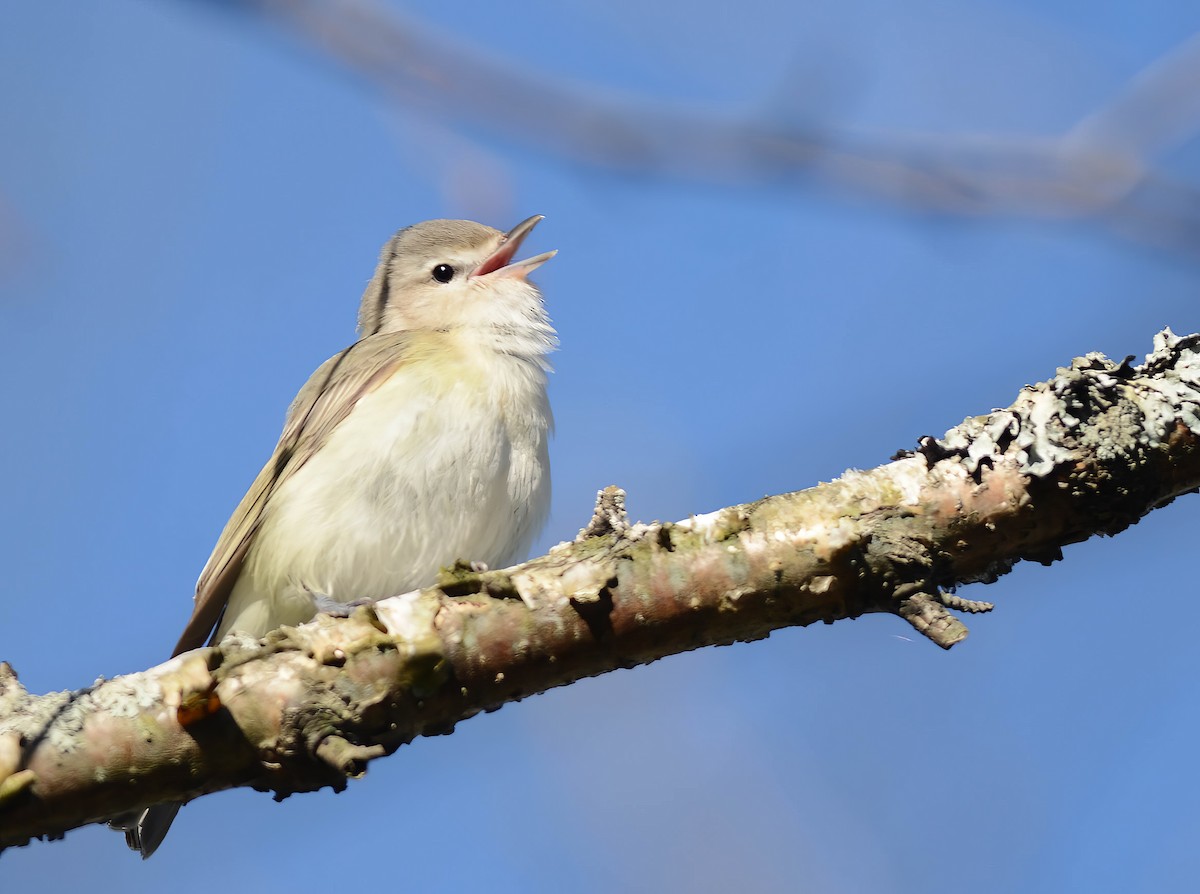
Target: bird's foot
(326, 605)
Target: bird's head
(448, 274)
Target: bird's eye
(443, 273)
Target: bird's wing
(324, 401)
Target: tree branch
(1088, 452)
(1102, 168)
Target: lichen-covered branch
(1088, 452)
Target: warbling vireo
(422, 443)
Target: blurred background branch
(1102, 169)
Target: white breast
(446, 460)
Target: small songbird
(422, 443)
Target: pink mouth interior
(499, 258)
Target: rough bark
(1088, 452)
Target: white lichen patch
(1176, 400)
(707, 524)
(825, 537)
(897, 484)
(127, 696)
(1040, 441)
(1107, 409)
(534, 592)
(578, 581)
(909, 477)
(408, 617)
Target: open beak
(500, 262)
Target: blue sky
(191, 201)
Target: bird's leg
(327, 605)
